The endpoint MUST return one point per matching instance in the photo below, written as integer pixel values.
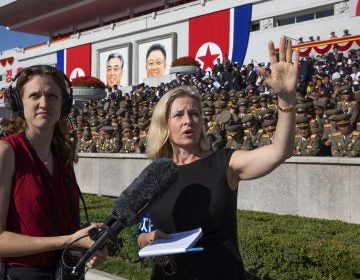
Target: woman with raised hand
(205, 194)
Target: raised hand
(284, 73)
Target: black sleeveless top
(201, 197)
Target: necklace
(44, 160)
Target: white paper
(179, 242)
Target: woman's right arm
(13, 244)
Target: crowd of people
(333, 35)
(239, 109)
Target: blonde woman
(205, 194)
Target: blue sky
(12, 39)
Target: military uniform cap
(243, 102)
(102, 113)
(342, 119)
(345, 89)
(263, 97)
(266, 113)
(250, 87)
(332, 112)
(240, 93)
(94, 123)
(302, 121)
(107, 129)
(269, 124)
(253, 99)
(301, 107)
(273, 95)
(225, 116)
(123, 104)
(127, 127)
(106, 121)
(208, 111)
(120, 111)
(234, 128)
(219, 104)
(248, 118)
(323, 92)
(232, 93)
(300, 99)
(106, 105)
(319, 104)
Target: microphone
(133, 203)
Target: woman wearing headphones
(39, 196)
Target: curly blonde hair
(158, 143)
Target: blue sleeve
(145, 224)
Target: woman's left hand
(98, 258)
(284, 71)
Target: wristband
(287, 109)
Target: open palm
(284, 72)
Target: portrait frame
(168, 41)
(102, 55)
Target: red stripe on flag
(357, 12)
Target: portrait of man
(155, 61)
(114, 65)
(154, 56)
(114, 69)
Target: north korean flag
(221, 33)
(75, 62)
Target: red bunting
(3, 62)
(10, 60)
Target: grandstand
(128, 24)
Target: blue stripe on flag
(60, 64)
(241, 33)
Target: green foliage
(288, 247)
(272, 247)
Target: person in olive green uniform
(305, 144)
(235, 137)
(109, 143)
(243, 104)
(129, 142)
(329, 130)
(252, 133)
(348, 104)
(87, 143)
(345, 142)
(319, 120)
(141, 147)
(267, 137)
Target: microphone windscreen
(136, 200)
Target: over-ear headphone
(59, 77)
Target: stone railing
(320, 187)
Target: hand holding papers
(179, 242)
